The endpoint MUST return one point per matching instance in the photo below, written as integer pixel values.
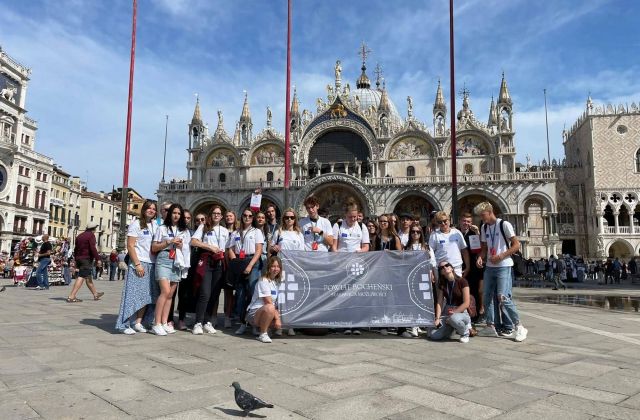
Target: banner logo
(294, 289)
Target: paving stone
(365, 407)
(435, 384)
(506, 396)
(229, 409)
(343, 359)
(206, 379)
(123, 388)
(17, 409)
(603, 410)
(352, 370)
(348, 387)
(421, 413)
(441, 402)
(615, 382)
(582, 368)
(290, 360)
(542, 410)
(578, 391)
(633, 402)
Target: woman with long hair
(262, 312)
(388, 238)
(288, 236)
(245, 250)
(212, 239)
(263, 226)
(140, 288)
(374, 230)
(171, 243)
(231, 223)
(452, 305)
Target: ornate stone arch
(348, 180)
(623, 242)
(244, 203)
(497, 199)
(491, 147)
(202, 201)
(206, 156)
(547, 200)
(411, 134)
(267, 142)
(311, 136)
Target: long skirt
(137, 293)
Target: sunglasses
(200, 219)
(289, 217)
(442, 222)
(248, 216)
(445, 265)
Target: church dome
(369, 97)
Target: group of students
(239, 256)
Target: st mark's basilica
(357, 146)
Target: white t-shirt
(144, 237)
(264, 288)
(164, 233)
(430, 255)
(218, 236)
(447, 246)
(306, 224)
(288, 239)
(350, 239)
(246, 240)
(493, 237)
(404, 237)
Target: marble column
(615, 220)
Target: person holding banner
(452, 304)
(244, 250)
(351, 236)
(262, 312)
(448, 245)
(288, 236)
(317, 230)
(212, 238)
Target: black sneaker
(505, 332)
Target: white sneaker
(197, 329)
(264, 338)
(278, 332)
(413, 331)
(140, 328)
(129, 331)
(464, 339)
(291, 332)
(209, 329)
(347, 332)
(227, 322)
(356, 332)
(521, 333)
(158, 330)
(242, 329)
(169, 328)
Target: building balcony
(622, 230)
(542, 176)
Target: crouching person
(453, 301)
(262, 312)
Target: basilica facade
(355, 145)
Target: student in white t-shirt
(350, 236)
(498, 271)
(317, 231)
(212, 238)
(448, 244)
(288, 235)
(262, 311)
(246, 245)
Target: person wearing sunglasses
(452, 305)
(448, 244)
(244, 251)
(288, 236)
(388, 237)
(212, 238)
(186, 294)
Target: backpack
(519, 264)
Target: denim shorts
(165, 269)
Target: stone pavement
(60, 360)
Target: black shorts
(85, 268)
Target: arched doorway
(416, 205)
(266, 201)
(205, 207)
(333, 198)
(467, 204)
(339, 151)
(620, 249)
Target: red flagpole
(127, 144)
(287, 129)
(454, 169)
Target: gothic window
(25, 196)
(565, 214)
(222, 178)
(269, 176)
(638, 161)
(37, 203)
(411, 171)
(18, 194)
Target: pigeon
(248, 402)
(3, 288)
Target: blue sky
(79, 53)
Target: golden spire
(363, 81)
(197, 117)
(384, 100)
(295, 104)
(246, 114)
(439, 104)
(493, 114)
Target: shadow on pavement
(238, 413)
(106, 322)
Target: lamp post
(287, 123)
(454, 169)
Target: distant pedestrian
(113, 265)
(44, 260)
(122, 265)
(85, 254)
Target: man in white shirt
(317, 231)
(350, 235)
(496, 252)
(406, 220)
(448, 245)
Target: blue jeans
(244, 290)
(42, 274)
(497, 285)
(66, 275)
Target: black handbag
(235, 273)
